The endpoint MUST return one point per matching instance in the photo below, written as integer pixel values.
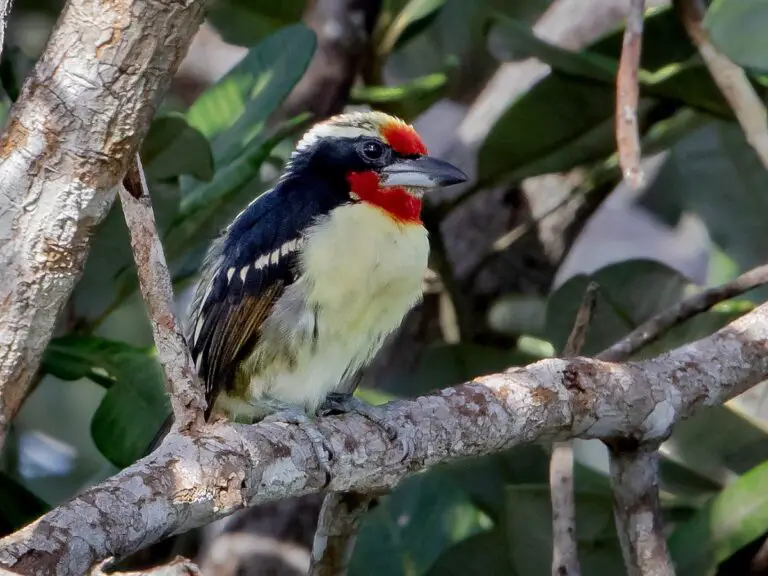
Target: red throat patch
(403, 139)
(395, 201)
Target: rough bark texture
(635, 482)
(78, 121)
(182, 382)
(191, 480)
(336, 533)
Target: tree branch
(184, 387)
(5, 11)
(337, 528)
(635, 481)
(731, 79)
(652, 329)
(565, 554)
(194, 479)
(344, 29)
(627, 95)
(71, 134)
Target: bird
(301, 290)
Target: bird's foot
(320, 445)
(345, 403)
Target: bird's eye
(373, 150)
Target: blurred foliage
(488, 515)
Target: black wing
(245, 273)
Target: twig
(193, 479)
(627, 95)
(730, 78)
(655, 327)
(565, 556)
(184, 386)
(337, 528)
(637, 510)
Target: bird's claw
(320, 445)
(345, 403)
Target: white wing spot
(230, 273)
(244, 272)
(198, 328)
(274, 257)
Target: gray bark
(78, 121)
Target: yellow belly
(362, 271)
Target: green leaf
(409, 22)
(566, 119)
(234, 111)
(520, 42)
(545, 121)
(406, 100)
(528, 527)
(718, 443)
(18, 506)
(132, 411)
(630, 293)
(246, 22)
(412, 526)
(730, 521)
(738, 29)
(135, 405)
(173, 148)
(75, 357)
(716, 174)
(483, 554)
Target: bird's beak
(421, 172)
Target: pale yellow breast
(372, 266)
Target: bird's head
(377, 158)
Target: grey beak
(422, 172)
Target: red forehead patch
(403, 139)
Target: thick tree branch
(181, 379)
(337, 528)
(635, 481)
(565, 554)
(731, 79)
(77, 123)
(627, 95)
(194, 479)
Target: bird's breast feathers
(360, 271)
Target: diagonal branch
(193, 479)
(652, 329)
(187, 398)
(71, 134)
(730, 78)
